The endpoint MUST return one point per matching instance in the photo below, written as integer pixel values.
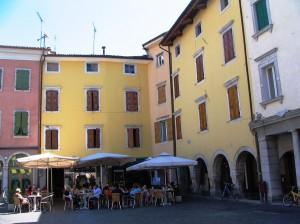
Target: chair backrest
(16, 200)
(116, 197)
(106, 194)
(158, 194)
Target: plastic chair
(159, 195)
(116, 198)
(68, 203)
(18, 204)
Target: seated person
(117, 189)
(68, 194)
(134, 190)
(23, 200)
(97, 192)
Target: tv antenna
(94, 37)
(41, 35)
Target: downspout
(249, 89)
(172, 99)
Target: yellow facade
(224, 136)
(72, 119)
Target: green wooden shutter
(261, 14)
(22, 80)
(17, 128)
(24, 123)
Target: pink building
(20, 86)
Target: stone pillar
(5, 177)
(270, 166)
(296, 147)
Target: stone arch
(16, 153)
(201, 175)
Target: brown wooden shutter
(130, 137)
(54, 139)
(170, 129)
(48, 139)
(202, 114)
(137, 137)
(95, 100)
(228, 45)
(132, 101)
(233, 102)
(91, 140)
(178, 127)
(48, 100)
(200, 70)
(176, 86)
(89, 100)
(157, 132)
(97, 138)
(161, 94)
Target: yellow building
(211, 95)
(96, 103)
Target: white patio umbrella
(163, 161)
(105, 159)
(46, 161)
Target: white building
(272, 36)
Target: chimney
(103, 50)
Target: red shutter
(228, 45)
(54, 139)
(202, 114)
(89, 100)
(178, 127)
(130, 137)
(200, 70)
(48, 139)
(176, 86)
(97, 138)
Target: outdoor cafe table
(34, 197)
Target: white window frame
(125, 100)
(176, 46)
(1, 79)
(228, 84)
(166, 125)
(89, 127)
(140, 135)
(226, 7)
(199, 53)
(14, 121)
(50, 127)
(26, 69)
(85, 98)
(257, 32)
(224, 29)
(158, 62)
(58, 89)
(197, 36)
(91, 72)
(46, 67)
(130, 74)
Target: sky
(122, 25)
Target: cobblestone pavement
(192, 211)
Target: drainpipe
(172, 99)
(249, 89)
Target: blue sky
(122, 25)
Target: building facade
(273, 45)
(211, 95)
(20, 84)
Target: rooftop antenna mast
(41, 36)
(94, 37)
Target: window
(177, 50)
(178, 127)
(160, 61)
(93, 138)
(52, 67)
(22, 79)
(229, 53)
(176, 86)
(1, 78)
(224, 4)
(21, 123)
(132, 101)
(92, 67)
(92, 100)
(198, 29)
(233, 99)
(270, 82)
(163, 131)
(51, 139)
(52, 100)
(133, 137)
(202, 116)
(161, 92)
(261, 15)
(129, 69)
(200, 68)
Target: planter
(178, 199)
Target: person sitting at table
(134, 190)
(23, 200)
(145, 195)
(97, 192)
(29, 190)
(117, 189)
(76, 197)
(68, 194)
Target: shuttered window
(92, 100)
(22, 79)
(161, 92)
(202, 116)
(177, 50)
(224, 4)
(51, 100)
(261, 13)
(52, 67)
(228, 45)
(176, 86)
(200, 68)
(133, 137)
(21, 123)
(51, 139)
(92, 67)
(132, 102)
(1, 78)
(93, 138)
(163, 131)
(233, 99)
(178, 127)
(129, 69)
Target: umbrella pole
(101, 176)
(165, 177)
(47, 170)
(51, 181)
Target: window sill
(21, 137)
(259, 33)
(229, 62)
(236, 120)
(203, 132)
(93, 149)
(51, 150)
(276, 99)
(162, 103)
(199, 83)
(163, 143)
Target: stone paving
(197, 210)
